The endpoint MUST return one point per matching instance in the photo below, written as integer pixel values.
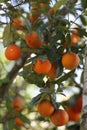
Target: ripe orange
(59, 117)
(78, 105)
(17, 22)
(52, 72)
(42, 5)
(13, 52)
(45, 108)
(51, 11)
(33, 19)
(19, 122)
(73, 116)
(33, 40)
(42, 67)
(70, 60)
(75, 38)
(17, 104)
(34, 6)
(35, 14)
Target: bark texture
(84, 107)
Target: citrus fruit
(70, 60)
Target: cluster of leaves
(54, 30)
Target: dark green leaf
(35, 100)
(24, 118)
(11, 124)
(83, 20)
(58, 36)
(28, 24)
(59, 69)
(9, 34)
(64, 77)
(75, 126)
(84, 3)
(59, 4)
(8, 103)
(33, 78)
(68, 39)
(3, 81)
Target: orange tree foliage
(43, 30)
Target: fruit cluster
(45, 108)
(17, 105)
(60, 117)
(69, 60)
(74, 112)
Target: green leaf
(59, 69)
(59, 4)
(35, 100)
(68, 40)
(4, 80)
(24, 118)
(17, 127)
(83, 20)
(9, 34)
(1, 1)
(41, 28)
(75, 126)
(58, 36)
(32, 77)
(28, 24)
(84, 3)
(64, 77)
(11, 124)
(82, 31)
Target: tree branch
(11, 76)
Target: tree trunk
(84, 95)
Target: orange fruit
(42, 67)
(32, 40)
(75, 38)
(17, 104)
(17, 22)
(35, 14)
(34, 6)
(59, 117)
(13, 52)
(73, 116)
(52, 72)
(70, 60)
(33, 19)
(45, 108)
(51, 11)
(42, 5)
(19, 122)
(78, 105)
